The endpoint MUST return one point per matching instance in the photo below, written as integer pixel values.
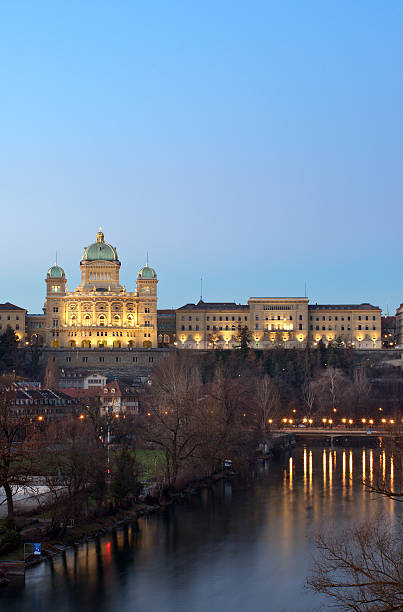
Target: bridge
(332, 433)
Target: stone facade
(100, 312)
(287, 322)
(14, 317)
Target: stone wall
(116, 362)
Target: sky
(256, 144)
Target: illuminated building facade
(100, 313)
(287, 322)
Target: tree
(266, 402)
(172, 422)
(361, 569)
(308, 396)
(329, 388)
(15, 456)
(244, 338)
(125, 474)
(73, 465)
(50, 377)
(9, 356)
(213, 338)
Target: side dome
(100, 250)
(56, 272)
(147, 272)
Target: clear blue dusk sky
(256, 143)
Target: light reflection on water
(240, 546)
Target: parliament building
(100, 312)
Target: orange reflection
(305, 470)
(371, 467)
(290, 465)
(363, 465)
(310, 471)
(324, 468)
(344, 469)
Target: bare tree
(266, 402)
(171, 423)
(15, 456)
(329, 388)
(362, 569)
(308, 396)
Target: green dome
(147, 272)
(56, 272)
(100, 250)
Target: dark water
(239, 547)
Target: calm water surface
(239, 547)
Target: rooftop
(214, 306)
(9, 306)
(364, 306)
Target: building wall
(359, 327)
(131, 360)
(35, 328)
(14, 317)
(201, 327)
(275, 321)
(286, 322)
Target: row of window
(17, 326)
(216, 318)
(359, 327)
(17, 318)
(336, 318)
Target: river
(242, 546)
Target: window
(17, 326)
(190, 318)
(207, 318)
(359, 327)
(323, 318)
(55, 323)
(197, 328)
(359, 317)
(183, 328)
(68, 359)
(85, 359)
(311, 327)
(300, 326)
(300, 317)
(342, 328)
(190, 328)
(207, 327)
(102, 359)
(323, 328)
(366, 318)
(220, 318)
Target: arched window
(130, 320)
(87, 320)
(101, 320)
(116, 320)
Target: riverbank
(33, 529)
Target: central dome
(100, 250)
